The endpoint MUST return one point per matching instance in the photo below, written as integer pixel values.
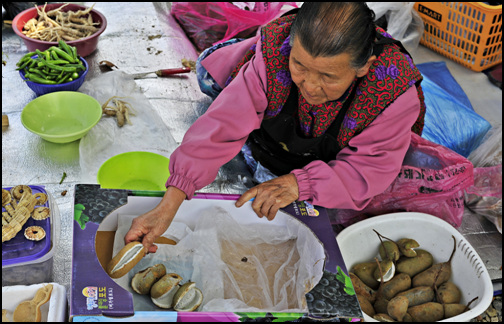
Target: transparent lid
(21, 250)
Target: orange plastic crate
(469, 33)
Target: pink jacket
(361, 171)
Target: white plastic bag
(106, 139)
(404, 23)
(489, 152)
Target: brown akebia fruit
(413, 266)
(418, 295)
(398, 307)
(361, 289)
(385, 271)
(366, 306)
(382, 317)
(142, 282)
(448, 293)
(407, 246)
(163, 291)
(451, 310)
(188, 298)
(428, 312)
(389, 250)
(399, 283)
(441, 271)
(126, 259)
(365, 273)
(380, 305)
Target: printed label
(429, 12)
(99, 297)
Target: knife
(162, 73)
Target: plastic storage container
(469, 33)
(52, 311)
(30, 262)
(359, 243)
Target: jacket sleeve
(218, 135)
(368, 165)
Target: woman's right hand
(147, 227)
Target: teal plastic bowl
(61, 117)
(135, 171)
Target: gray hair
(330, 28)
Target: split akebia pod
(126, 259)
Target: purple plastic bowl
(42, 89)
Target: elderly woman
(323, 99)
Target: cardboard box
(95, 296)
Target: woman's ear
(365, 69)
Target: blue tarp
(450, 119)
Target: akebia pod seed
(126, 259)
(143, 280)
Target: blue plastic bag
(450, 119)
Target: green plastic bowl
(135, 171)
(61, 117)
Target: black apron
(279, 144)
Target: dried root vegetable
(121, 110)
(19, 209)
(56, 25)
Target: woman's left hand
(271, 195)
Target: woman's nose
(311, 84)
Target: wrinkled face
(321, 79)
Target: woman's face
(322, 79)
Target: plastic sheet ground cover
(450, 119)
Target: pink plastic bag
(432, 180)
(209, 23)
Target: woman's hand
(271, 195)
(147, 227)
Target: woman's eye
(299, 67)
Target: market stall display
(162, 106)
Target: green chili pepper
(74, 53)
(64, 46)
(35, 78)
(54, 55)
(62, 54)
(66, 78)
(38, 72)
(27, 56)
(23, 65)
(58, 67)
